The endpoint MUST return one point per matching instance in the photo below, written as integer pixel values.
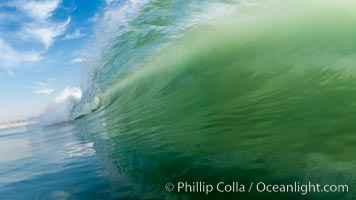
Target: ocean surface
(207, 91)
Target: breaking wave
(59, 109)
(233, 90)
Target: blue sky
(41, 51)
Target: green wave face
(266, 94)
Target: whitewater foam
(59, 109)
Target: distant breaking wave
(59, 108)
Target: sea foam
(59, 109)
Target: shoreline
(17, 123)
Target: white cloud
(44, 33)
(38, 26)
(41, 84)
(44, 91)
(95, 18)
(109, 1)
(10, 57)
(40, 10)
(76, 34)
(42, 88)
(77, 60)
(35, 28)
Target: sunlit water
(57, 162)
(255, 96)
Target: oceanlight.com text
(224, 187)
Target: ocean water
(217, 91)
(56, 162)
